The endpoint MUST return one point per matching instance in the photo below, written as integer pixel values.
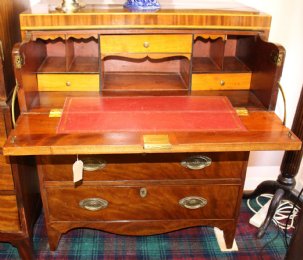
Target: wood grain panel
(94, 16)
(146, 167)
(37, 134)
(221, 81)
(266, 60)
(125, 202)
(68, 82)
(6, 178)
(9, 220)
(146, 43)
(9, 18)
(3, 134)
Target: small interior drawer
(148, 202)
(68, 82)
(176, 43)
(9, 220)
(6, 178)
(147, 166)
(221, 81)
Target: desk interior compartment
(145, 74)
(146, 63)
(67, 54)
(56, 63)
(237, 63)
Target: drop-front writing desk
(132, 184)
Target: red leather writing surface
(148, 114)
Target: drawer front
(6, 177)
(9, 220)
(221, 81)
(151, 202)
(68, 82)
(181, 43)
(147, 167)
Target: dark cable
(270, 241)
(285, 230)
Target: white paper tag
(78, 170)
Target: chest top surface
(204, 16)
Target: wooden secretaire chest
(162, 108)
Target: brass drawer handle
(68, 83)
(91, 164)
(196, 162)
(193, 202)
(222, 82)
(93, 204)
(146, 44)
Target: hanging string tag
(77, 170)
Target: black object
(283, 187)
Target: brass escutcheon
(143, 192)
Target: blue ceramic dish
(142, 5)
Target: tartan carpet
(191, 243)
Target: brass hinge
(56, 112)
(242, 111)
(156, 142)
(19, 61)
(277, 58)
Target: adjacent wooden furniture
(19, 191)
(146, 180)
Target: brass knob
(146, 44)
(68, 83)
(222, 82)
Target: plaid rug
(192, 243)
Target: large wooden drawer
(9, 218)
(147, 166)
(6, 177)
(148, 202)
(68, 82)
(176, 43)
(221, 81)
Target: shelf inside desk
(207, 65)
(77, 65)
(144, 81)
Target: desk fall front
(143, 181)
